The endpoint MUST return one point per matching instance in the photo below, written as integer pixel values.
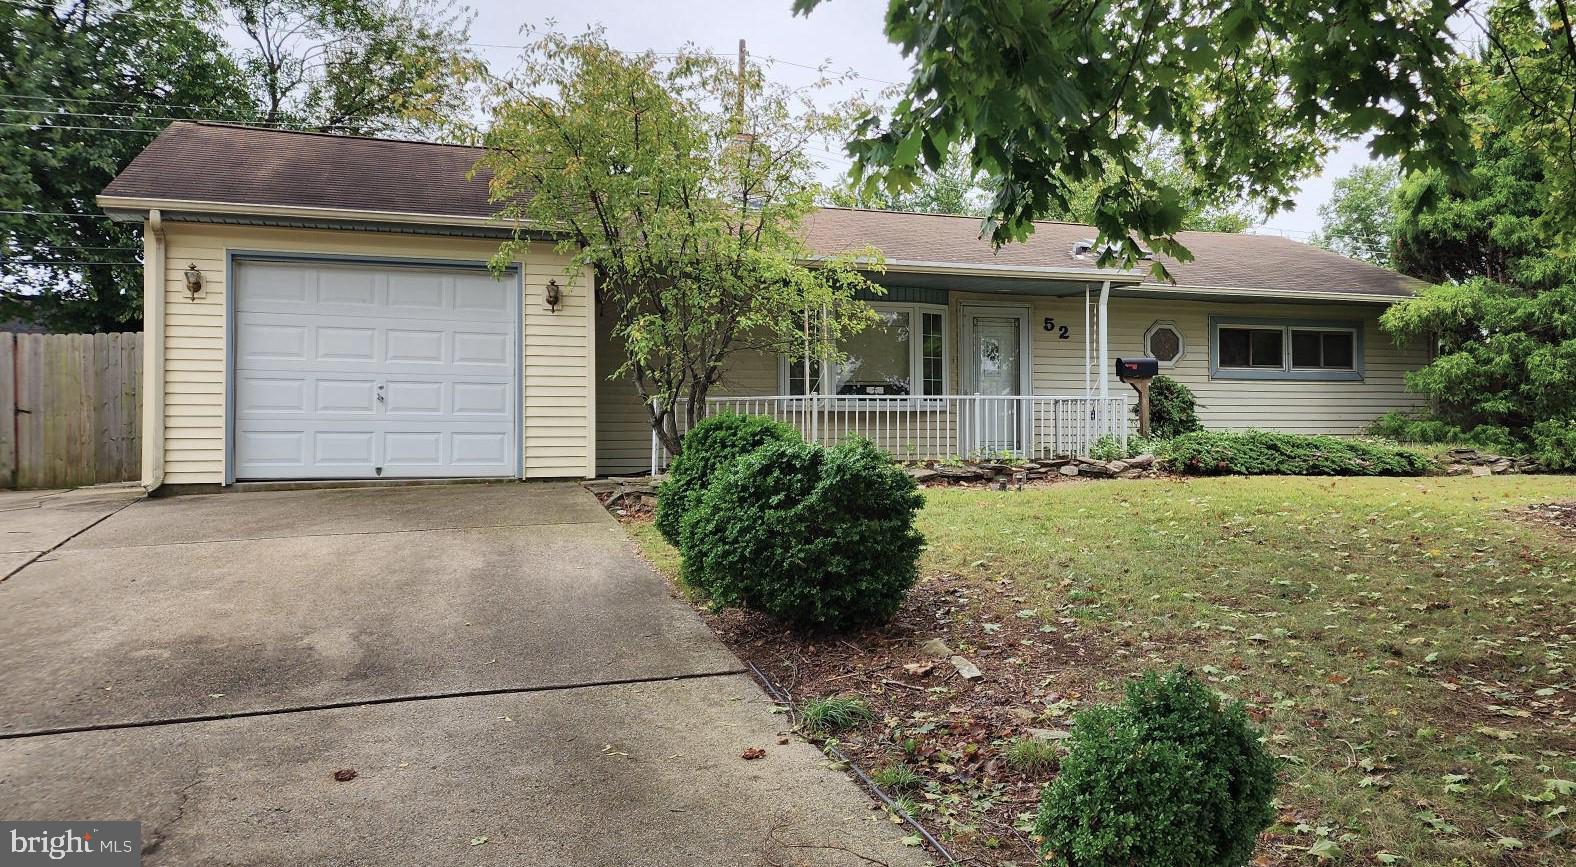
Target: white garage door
(351, 371)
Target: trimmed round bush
(710, 445)
(1169, 776)
(1172, 409)
(822, 539)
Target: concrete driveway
(509, 681)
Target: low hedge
(1262, 453)
(708, 447)
(822, 539)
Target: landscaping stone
(936, 647)
(1050, 734)
(1117, 467)
(922, 474)
(1096, 469)
(1142, 461)
(967, 669)
(1481, 471)
(1069, 470)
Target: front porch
(939, 428)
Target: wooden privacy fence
(70, 409)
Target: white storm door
(346, 370)
(996, 370)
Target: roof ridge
(940, 214)
(321, 134)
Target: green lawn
(1406, 644)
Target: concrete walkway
(509, 682)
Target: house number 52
(1059, 330)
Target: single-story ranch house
(318, 307)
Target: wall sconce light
(193, 280)
(554, 295)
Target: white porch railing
(938, 428)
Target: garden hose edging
(781, 697)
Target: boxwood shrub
(1169, 776)
(1260, 453)
(712, 444)
(822, 539)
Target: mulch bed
(1561, 516)
(957, 729)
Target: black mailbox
(1137, 368)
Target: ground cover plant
(1405, 644)
(1261, 453)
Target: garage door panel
(346, 449)
(407, 397)
(345, 396)
(270, 341)
(352, 371)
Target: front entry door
(996, 369)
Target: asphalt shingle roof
(193, 161)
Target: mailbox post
(1137, 372)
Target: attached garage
(322, 307)
(357, 370)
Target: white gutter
(153, 351)
(1043, 272)
(1105, 368)
(242, 209)
(1253, 293)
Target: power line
(56, 214)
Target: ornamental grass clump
(1169, 776)
(821, 539)
(712, 444)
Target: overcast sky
(846, 33)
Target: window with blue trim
(1290, 349)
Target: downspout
(153, 351)
(1105, 367)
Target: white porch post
(1105, 367)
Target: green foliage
(688, 211)
(950, 189)
(1359, 219)
(1159, 160)
(1172, 409)
(819, 538)
(1426, 429)
(1554, 444)
(1503, 315)
(367, 67)
(88, 85)
(1050, 94)
(898, 778)
(711, 445)
(1031, 755)
(62, 262)
(1262, 453)
(834, 714)
(1169, 776)
(1106, 448)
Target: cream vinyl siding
(624, 440)
(558, 413)
(1233, 404)
(623, 433)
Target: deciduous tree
(683, 188)
(1359, 218)
(1050, 94)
